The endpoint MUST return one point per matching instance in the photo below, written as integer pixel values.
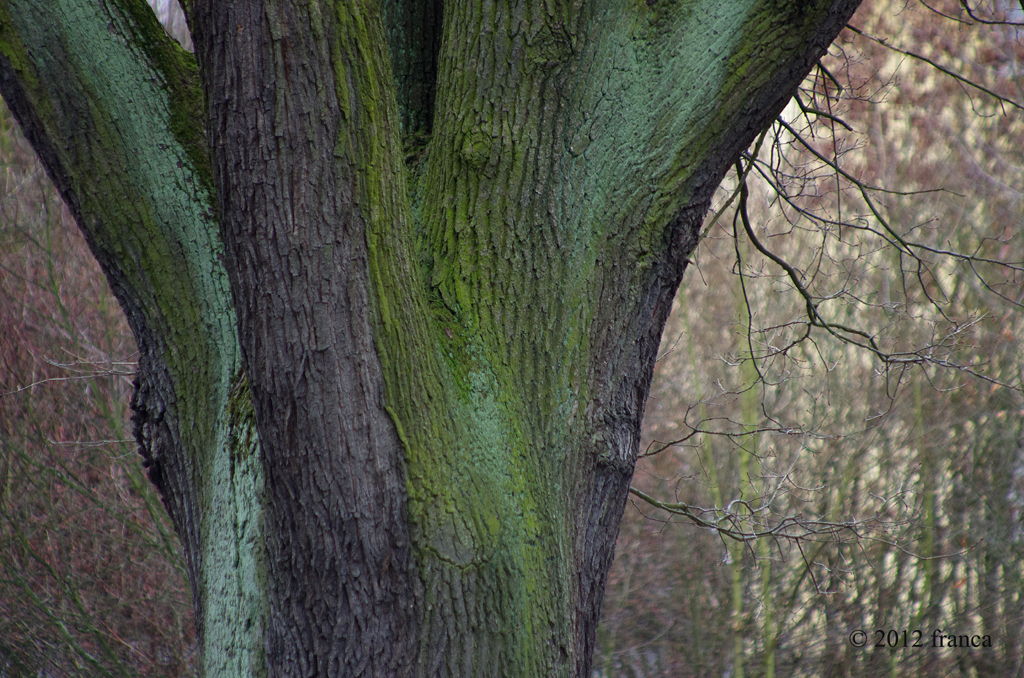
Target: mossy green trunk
(427, 253)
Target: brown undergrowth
(90, 578)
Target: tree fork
(448, 366)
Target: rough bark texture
(303, 138)
(448, 357)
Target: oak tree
(398, 273)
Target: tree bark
(114, 109)
(440, 244)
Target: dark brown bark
(343, 598)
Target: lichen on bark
(452, 233)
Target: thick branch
(112, 106)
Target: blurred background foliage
(900, 470)
(873, 487)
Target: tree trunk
(448, 330)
